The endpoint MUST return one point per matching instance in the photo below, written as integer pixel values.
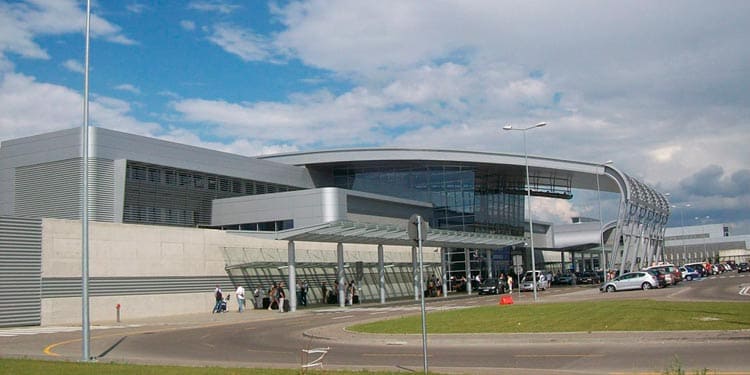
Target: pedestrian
(219, 298)
(305, 286)
(510, 284)
(324, 291)
(280, 296)
(240, 294)
(272, 296)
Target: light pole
(601, 224)
(703, 220)
(682, 224)
(528, 191)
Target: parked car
(743, 267)
(700, 267)
(567, 278)
(588, 277)
(672, 273)
(660, 276)
(633, 280)
(689, 273)
(527, 283)
(493, 286)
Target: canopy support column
(381, 273)
(444, 271)
(467, 266)
(341, 277)
(291, 256)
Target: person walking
(219, 298)
(240, 294)
(280, 296)
(272, 296)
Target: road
(270, 339)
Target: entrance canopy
(387, 234)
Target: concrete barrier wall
(161, 256)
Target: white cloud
(136, 8)
(243, 43)
(21, 23)
(31, 107)
(213, 6)
(74, 66)
(128, 87)
(187, 25)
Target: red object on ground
(506, 300)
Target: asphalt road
(268, 339)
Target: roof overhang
(385, 234)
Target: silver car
(632, 280)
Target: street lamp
(702, 221)
(528, 191)
(602, 261)
(682, 224)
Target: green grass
(628, 315)
(35, 367)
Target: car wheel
(688, 277)
(610, 288)
(646, 286)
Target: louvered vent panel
(20, 271)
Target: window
(211, 182)
(154, 175)
(169, 177)
(199, 181)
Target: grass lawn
(35, 367)
(626, 315)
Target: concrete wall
(127, 251)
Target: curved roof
(582, 175)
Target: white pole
(421, 293)
(85, 354)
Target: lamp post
(682, 224)
(703, 220)
(601, 224)
(528, 191)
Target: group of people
(276, 295)
(331, 296)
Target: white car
(689, 273)
(632, 280)
(527, 283)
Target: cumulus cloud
(74, 66)
(241, 42)
(22, 111)
(213, 6)
(21, 23)
(187, 25)
(128, 87)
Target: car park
(493, 286)
(743, 267)
(630, 281)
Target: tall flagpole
(85, 355)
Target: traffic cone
(506, 300)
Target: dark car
(743, 267)
(493, 286)
(565, 279)
(660, 276)
(588, 277)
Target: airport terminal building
(171, 221)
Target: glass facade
(467, 198)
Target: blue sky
(660, 88)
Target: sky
(661, 88)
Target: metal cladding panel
(61, 287)
(20, 271)
(53, 190)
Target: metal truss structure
(639, 236)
